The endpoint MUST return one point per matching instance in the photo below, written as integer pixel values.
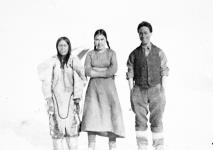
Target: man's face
(144, 35)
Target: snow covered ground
(188, 122)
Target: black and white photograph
(106, 75)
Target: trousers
(144, 101)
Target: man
(147, 69)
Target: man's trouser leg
(156, 107)
(139, 103)
(142, 140)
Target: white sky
(183, 29)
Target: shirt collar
(148, 46)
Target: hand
(131, 84)
(50, 106)
(77, 106)
(77, 100)
(131, 90)
(163, 81)
(84, 83)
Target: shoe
(159, 147)
(143, 147)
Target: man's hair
(146, 24)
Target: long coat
(62, 85)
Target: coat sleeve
(45, 75)
(87, 65)
(164, 67)
(112, 69)
(130, 66)
(79, 78)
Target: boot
(57, 144)
(72, 143)
(143, 147)
(159, 147)
(91, 146)
(91, 141)
(142, 141)
(158, 141)
(112, 144)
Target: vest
(147, 69)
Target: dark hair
(101, 32)
(63, 60)
(146, 24)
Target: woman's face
(63, 47)
(100, 42)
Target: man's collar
(148, 46)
